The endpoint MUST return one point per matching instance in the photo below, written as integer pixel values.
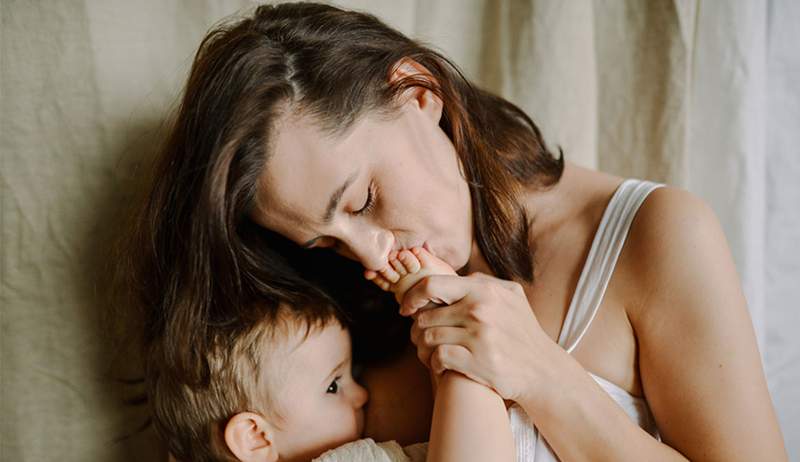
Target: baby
(282, 390)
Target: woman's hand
(486, 331)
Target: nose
(360, 396)
(370, 246)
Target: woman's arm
(698, 358)
(470, 423)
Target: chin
(456, 260)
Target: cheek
(347, 420)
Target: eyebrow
(333, 203)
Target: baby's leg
(470, 421)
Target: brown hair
(195, 255)
(244, 376)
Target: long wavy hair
(194, 254)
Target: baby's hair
(244, 372)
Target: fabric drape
(701, 95)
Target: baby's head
(279, 389)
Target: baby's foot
(406, 268)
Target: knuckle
(415, 337)
(516, 287)
(482, 336)
(431, 336)
(442, 355)
(422, 319)
(478, 311)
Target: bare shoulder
(698, 358)
(671, 225)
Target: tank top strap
(603, 254)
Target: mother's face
(381, 186)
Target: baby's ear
(250, 438)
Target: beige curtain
(703, 95)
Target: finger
(437, 288)
(506, 284)
(452, 357)
(423, 352)
(447, 315)
(416, 333)
(435, 336)
(455, 358)
(424, 356)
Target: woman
(608, 312)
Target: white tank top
(596, 274)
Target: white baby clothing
(367, 450)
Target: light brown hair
(194, 255)
(244, 375)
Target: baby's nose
(360, 396)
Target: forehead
(306, 166)
(316, 355)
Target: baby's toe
(390, 274)
(409, 260)
(380, 281)
(399, 267)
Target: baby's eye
(334, 386)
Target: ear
(250, 438)
(430, 104)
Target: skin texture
(469, 421)
(321, 405)
(419, 150)
(665, 329)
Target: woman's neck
(547, 211)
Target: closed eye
(369, 203)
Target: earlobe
(250, 438)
